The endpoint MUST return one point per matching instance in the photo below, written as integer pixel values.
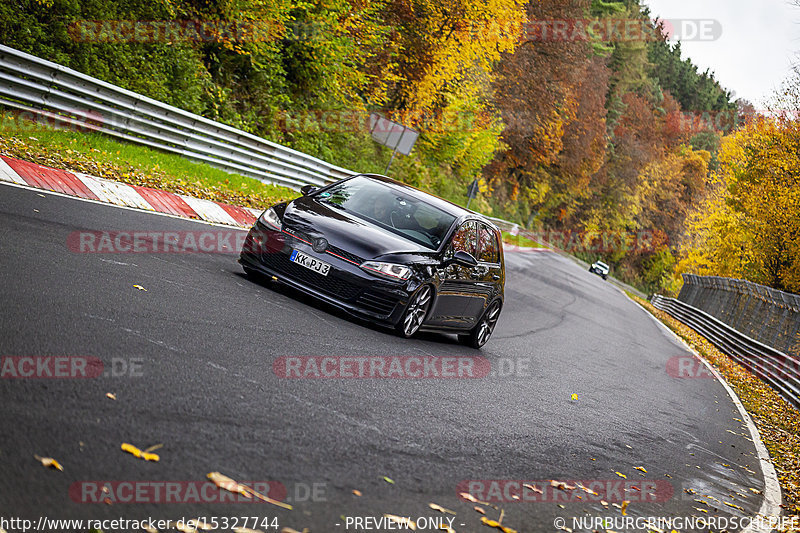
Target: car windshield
(390, 209)
(601, 264)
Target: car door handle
(478, 273)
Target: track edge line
(771, 505)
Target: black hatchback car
(386, 252)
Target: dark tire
(605, 276)
(481, 333)
(416, 311)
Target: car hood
(314, 219)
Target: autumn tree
(441, 41)
(539, 90)
(750, 225)
(585, 133)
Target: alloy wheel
(480, 334)
(416, 311)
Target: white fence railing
(33, 85)
(67, 97)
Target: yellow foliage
(457, 36)
(749, 224)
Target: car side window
(488, 251)
(465, 239)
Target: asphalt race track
(190, 360)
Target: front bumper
(346, 286)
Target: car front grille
(379, 303)
(334, 250)
(332, 284)
(347, 255)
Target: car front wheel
(480, 334)
(416, 312)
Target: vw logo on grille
(320, 245)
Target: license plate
(311, 263)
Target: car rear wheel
(415, 313)
(480, 334)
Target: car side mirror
(305, 190)
(463, 258)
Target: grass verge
(520, 240)
(777, 421)
(99, 155)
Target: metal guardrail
(763, 313)
(504, 225)
(33, 85)
(779, 370)
(45, 89)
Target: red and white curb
(112, 192)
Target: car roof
(440, 203)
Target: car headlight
(388, 270)
(270, 218)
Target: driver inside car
(382, 211)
